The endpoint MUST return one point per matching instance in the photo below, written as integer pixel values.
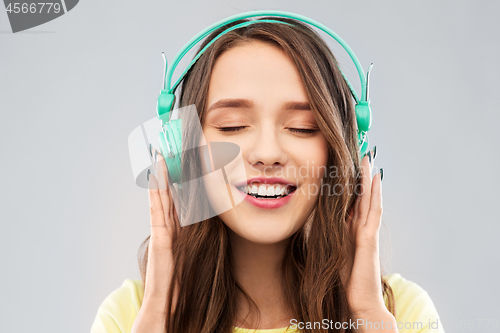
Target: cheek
(315, 158)
(311, 158)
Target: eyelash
(230, 129)
(296, 130)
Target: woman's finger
(165, 193)
(172, 211)
(163, 232)
(157, 218)
(363, 205)
(376, 208)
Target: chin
(261, 230)
(265, 237)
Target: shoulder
(117, 312)
(415, 311)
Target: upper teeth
(266, 189)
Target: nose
(266, 151)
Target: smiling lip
(266, 180)
(266, 203)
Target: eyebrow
(246, 103)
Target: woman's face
(257, 95)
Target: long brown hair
(316, 254)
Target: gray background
(73, 89)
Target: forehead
(255, 70)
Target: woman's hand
(164, 228)
(364, 287)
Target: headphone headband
(196, 39)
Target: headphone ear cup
(164, 105)
(364, 122)
(171, 146)
(363, 116)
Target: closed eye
(297, 130)
(231, 129)
(304, 130)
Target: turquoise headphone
(170, 136)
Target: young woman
(309, 263)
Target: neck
(257, 269)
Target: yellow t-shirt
(415, 311)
